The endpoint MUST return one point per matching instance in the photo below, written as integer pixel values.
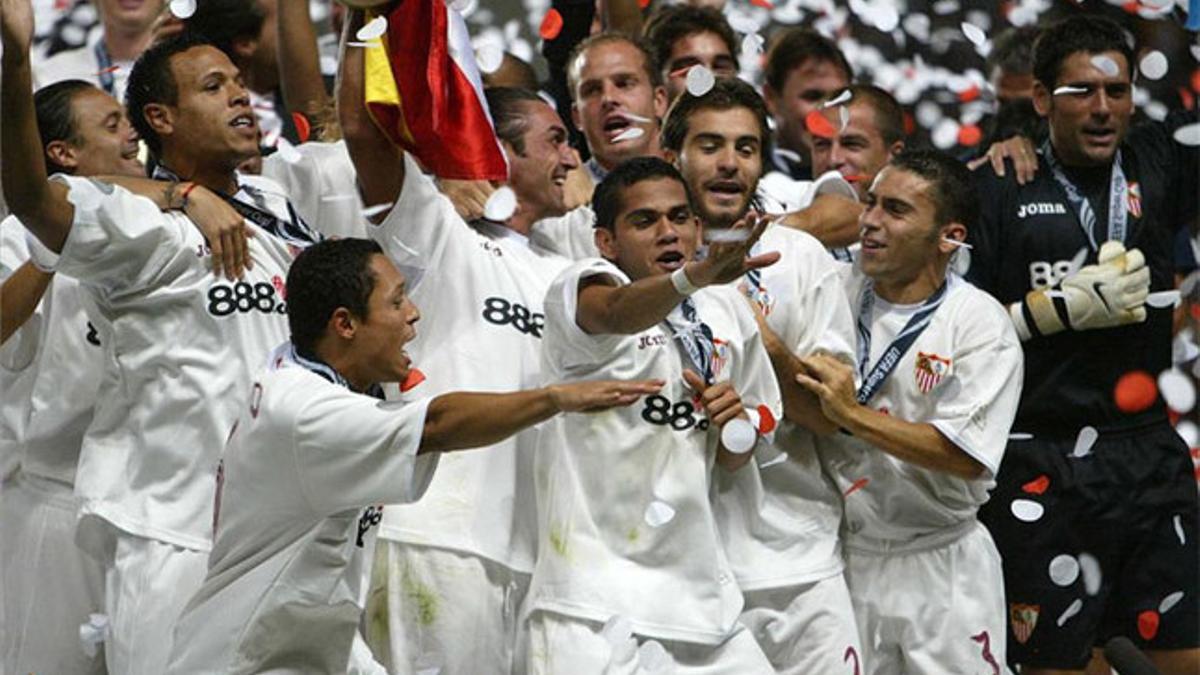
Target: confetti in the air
(1106, 65)
(1147, 624)
(618, 633)
(1037, 486)
(551, 25)
(1188, 135)
(843, 118)
(414, 377)
(653, 657)
(969, 135)
(856, 486)
(303, 128)
(765, 4)
(774, 461)
(658, 513)
(500, 205)
(629, 134)
(1084, 441)
(1153, 65)
(1135, 391)
(1070, 611)
(738, 436)
(1027, 510)
(183, 9)
(1188, 431)
(362, 45)
(1178, 522)
(489, 56)
(945, 134)
(1170, 601)
(1177, 390)
(1064, 570)
(818, 125)
(726, 235)
(1163, 299)
(700, 80)
(841, 99)
(1068, 89)
(1090, 569)
(974, 33)
(372, 211)
(373, 29)
(1020, 436)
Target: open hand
(225, 230)
(729, 259)
(601, 394)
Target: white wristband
(683, 285)
(42, 258)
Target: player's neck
(123, 45)
(342, 362)
(222, 179)
(910, 290)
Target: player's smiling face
(1089, 121)
(655, 231)
(857, 151)
(212, 116)
(380, 338)
(538, 173)
(721, 159)
(898, 230)
(104, 141)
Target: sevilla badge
(1024, 619)
(931, 368)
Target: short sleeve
(118, 240)
(421, 224)
(566, 345)
(352, 450)
(978, 409)
(572, 236)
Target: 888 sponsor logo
(503, 312)
(243, 297)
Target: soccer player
(628, 548)
(315, 454)
(683, 36)
(1074, 253)
(126, 29)
(940, 372)
(871, 136)
(183, 339)
(470, 540)
(779, 515)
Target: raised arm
(301, 80)
(378, 162)
(19, 296)
(41, 206)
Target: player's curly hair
(607, 200)
(726, 94)
(151, 81)
(325, 276)
(1081, 33)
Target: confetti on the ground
(1070, 611)
(372, 29)
(1037, 486)
(183, 9)
(552, 25)
(1064, 570)
(1153, 65)
(500, 205)
(1089, 567)
(1084, 442)
(658, 513)
(700, 80)
(1135, 391)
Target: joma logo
(1040, 209)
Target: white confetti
(363, 45)
(1169, 602)
(634, 118)
(957, 243)
(374, 28)
(653, 657)
(1188, 134)
(658, 513)
(1027, 510)
(843, 118)
(974, 33)
(1090, 567)
(1084, 442)
(1177, 390)
(1163, 299)
(500, 205)
(700, 80)
(183, 8)
(752, 44)
(1183, 349)
(1068, 89)
(928, 114)
(1070, 611)
(1195, 51)
(464, 7)
(774, 461)
(338, 198)
(372, 211)
(1077, 261)
(1064, 570)
(885, 17)
(489, 56)
(629, 134)
(840, 99)
(738, 436)
(616, 630)
(917, 25)
(1189, 433)
(945, 134)
(1106, 65)
(726, 235)
(944, 7)
(1020, 436)
(1153, 65)
(1178, 522)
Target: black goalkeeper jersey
(1026, 238)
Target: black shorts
(1112, 550)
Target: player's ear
(951, 232)
(1042, 98)
(342, 323)
(62, 153)
(606, 243)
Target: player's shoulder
(263, 184)
(797, 248)
(975, 311)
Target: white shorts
(804, 629)
(147, 584)
(50, 585)
(935, 611)
(560, 645)
(436, 608)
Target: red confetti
(110, 69)
(1038, 485)
(818, 125)
(969, 94)
(1195, 311)
(765, 4)
(1148, 624)
(643, 4)
(551, 25)
(1130, 7)
(766, 420)
(855, 178)
(303, 129)
(414, 378)
(1186, 95)
(1135, 391)
(856, 486)
(1173, 417)
(1196, 80)
(910, 124)
(969, 135)
(680, 72)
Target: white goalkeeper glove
(1110, 293)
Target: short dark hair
(889, 115)
(507, 108)
(726, 94)
(793, 47)
(608, 199)
(224, 21)
(53, 106)
(649, 61)
(1080, 33)
(1012, 51)
(151, 81)
(954, 194)
(327, 275)
(675, 22)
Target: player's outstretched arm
(41, 206)
(607, 309)
(378, 162)
(832, 381)
(19, 296)
(463, 420)
(831, 219)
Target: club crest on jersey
(1040, 209)
(720, 357)
(759, 296)
(931, 368)
(1135, 200)
(1024, 618)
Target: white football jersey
(625, 523)
(962, 375)
(571, 235)
(304, 478)
(50, 371)
(322, 187)
(83, 63)
(779, 516)
(185, 342)
(481, 291)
